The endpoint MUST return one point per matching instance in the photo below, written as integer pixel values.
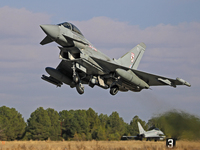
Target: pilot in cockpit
(71, 27)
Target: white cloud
(20, 36)
(108, 31)
(20, 51)
(21, 22)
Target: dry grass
(95, 145)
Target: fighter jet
(154, 134)
(82, 63)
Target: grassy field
(95, 145)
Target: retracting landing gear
(114, 89)
(80, 88)
(76, 79)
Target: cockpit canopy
(156, 129)
(71, 27)
(153, 128)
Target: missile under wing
(81, 63)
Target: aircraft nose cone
(51, 30)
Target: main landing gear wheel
(114, 89)
(80, 88)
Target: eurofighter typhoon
(154, 134)
(81, 63)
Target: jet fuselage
(82, 64)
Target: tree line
(88, 125)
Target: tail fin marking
(133, 57)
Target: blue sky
(169, 28)
(143, 13)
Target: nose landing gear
(76, 79)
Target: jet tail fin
(133, 57)
(141, 130)
(46, 40)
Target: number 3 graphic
(170, 143)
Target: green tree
(101, 133)
(70, 124)
(74, 123)
(83, 125)
(2, 135)
(103, 119)
(12, 124)
(93, 122)
(92, 118)
(39, 125)
(115, 126)
(55, 129)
